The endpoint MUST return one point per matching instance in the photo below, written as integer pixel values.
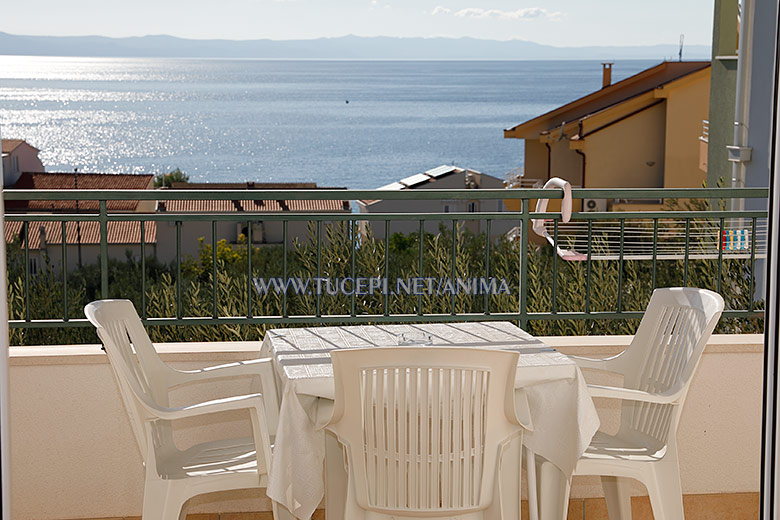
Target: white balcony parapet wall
(74, 456)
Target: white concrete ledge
(70, 436)
(218, 351)
(240, 350)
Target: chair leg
(533, 487)
(665, 490)
(554, 489)
(162, 501)
(617, 492)
(183, 509)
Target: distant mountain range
(344, 47)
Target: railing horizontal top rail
(327, 217)
(420, 194)
(363, 318)
(690, 245)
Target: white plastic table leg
(617, 492)
(335, 478)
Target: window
(472, 207)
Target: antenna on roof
(682, 40)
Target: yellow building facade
(642, 132)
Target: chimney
(42, 239)
(606, 74)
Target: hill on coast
(344, 47)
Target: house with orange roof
(641, 132)
(50, 241)
(18, 156)
(78, 243)
(248, 221)
(82, 181)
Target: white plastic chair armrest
(606, 364)
(228, 370)
(240, 402)
(628, 394)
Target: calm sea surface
(237, 120)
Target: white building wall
(450, 182)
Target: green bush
(340, 243)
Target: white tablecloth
(561, 416)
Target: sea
(355, 124)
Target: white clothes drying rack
(642, 240)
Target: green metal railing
(630, 235)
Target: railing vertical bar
(387, 269)
(26, 231)
(620, 265)
(64, 271)
(452, 264)
(178, 271)
(353, 264)
(420, 266)
(721, 229)
(284, 266)
(687, 250)
(249, 269)
(630, 247)
(554, 293)
(214, 310)
(655, 250)
(752, 265)
(487, 265)
(588, 267)
(319, 268)
(143, 269)
(103, 250)
(522, 297)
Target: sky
(551, 22)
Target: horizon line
(349, 35)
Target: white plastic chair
(174, 476)
(657, 369)
(423, 429)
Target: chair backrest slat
(664, 354)
(139, 371)
(423, 426)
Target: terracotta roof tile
(244, 185)
(253, 206)
(86, 181)
(630, 87)
(119, 233)
(9, 145)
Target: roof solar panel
(393, 186)
(441, 170)
(415, 180)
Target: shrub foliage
(341, 248)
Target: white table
(553, 403)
